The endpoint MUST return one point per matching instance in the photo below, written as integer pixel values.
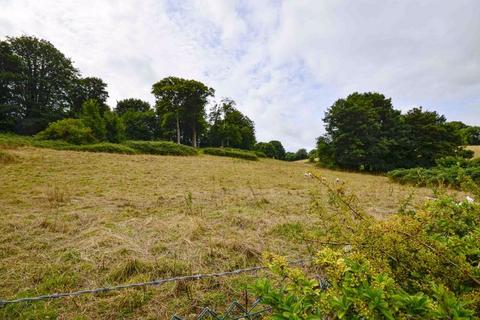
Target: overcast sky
(284, 62)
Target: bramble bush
(449, 171)
(417, 264)
(232, 153)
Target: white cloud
(283, 62)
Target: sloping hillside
(74, 220)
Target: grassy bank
(74, 220)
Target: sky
(283, 62)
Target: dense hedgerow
(450, 171)
(233, 153)
(103, 147)
(418, 264)
(260, 154)
(129, 147)
(161, 148)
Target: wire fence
(235, 311)
(157, 282)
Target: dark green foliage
(450, 171)
(161, 148)
(39, 85)
(428, 137)
(180, 106)
(230, 128)
(91, 118)
(273, 149)
(115, 128)
(312, 155)
(46, 79)
(132, 104)
(265, 148)
(140, 125)
(233, 153)
(10, 77)
(85, 89)
(69, 130)
(290, 156)
(278, 149)
(471, 135)
(365, 132)
(301, 154)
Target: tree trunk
(194, 136)
(178, 130)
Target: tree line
(365, 132)
(42, 91)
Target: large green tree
(363, 132)
(471, 135)
(92, 118)
(132, 104)
(229, 127)
(181, 103)
(273, 149)
(47, 79)
(429, 137)
(84, 89)
(140, 125)
(10, 93)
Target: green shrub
(69, 130)
(92, 118)
(161, 148)
(420, 264)
(103, 147)
(233, 153)
(450, 171)
(115, 128)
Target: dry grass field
(73, 220)
(475, 149)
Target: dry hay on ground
(73, 220)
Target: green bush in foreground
(233, 153)
(450, 171)
(421, 264)
(161, 148)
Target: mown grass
(75, 220)
(232, 153)
(7, 158)
(476, 150)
